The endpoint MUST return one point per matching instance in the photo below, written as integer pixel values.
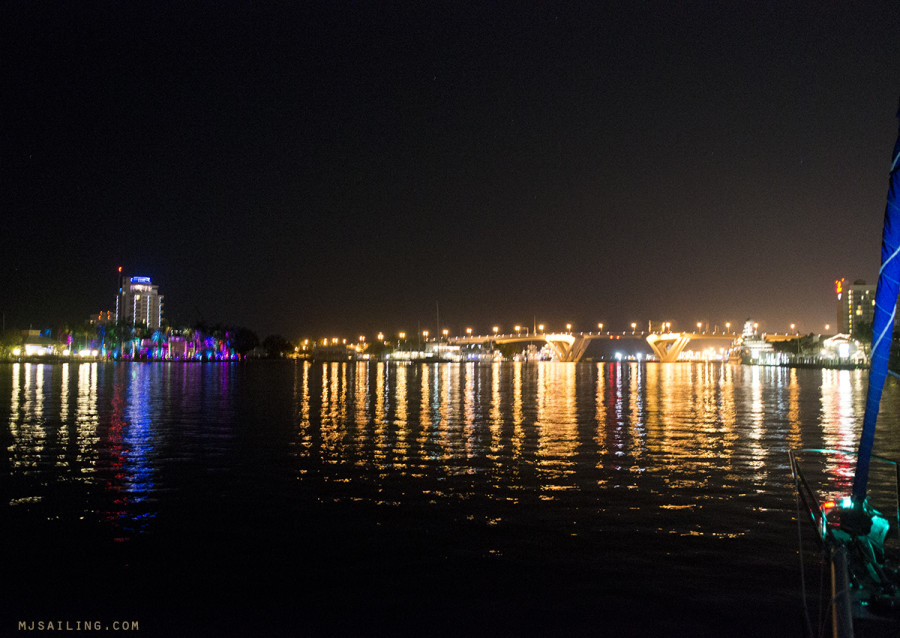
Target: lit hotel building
(139, 302)
(855, 305)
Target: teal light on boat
(847, 502)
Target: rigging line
(823, 618)
(809, 626)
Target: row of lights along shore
(540, 329)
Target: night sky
(339, 169)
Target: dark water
(438, 499)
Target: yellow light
(445, 331)
(541, 327)
(600, 327)
(468, 331)
(568, 326)
(362, 337)
(425, 333)
(380, 336)
(496, 329)
(402, 335)
(518, 328)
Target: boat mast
(882, 325)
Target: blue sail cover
(882, 325)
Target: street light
(633, 326)
(445, 332)
(699, 324)
(600, 327)
(518, 329)
(468, 331)
(402, 335)
(496, 329)
(792, 327)
(727, 326)
(541, 327)
(569, 327)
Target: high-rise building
(856, 305)
(139, 301)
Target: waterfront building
(855, 304)
(37, 343)
(332, 352)
(139, 302)
(843, 348)
(102, 317)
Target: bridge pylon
(568, 347)
(668, 346)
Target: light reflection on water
(555, 426)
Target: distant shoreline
(60, 360)
(56, 359)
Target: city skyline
(348, 169)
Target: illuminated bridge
(570, 346)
